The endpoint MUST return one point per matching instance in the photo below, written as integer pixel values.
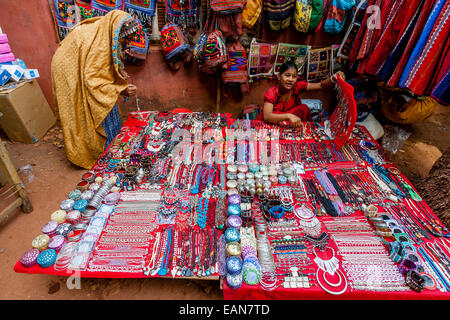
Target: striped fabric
(431, 45)
(228, 6)
(278, 13)
(112, 125)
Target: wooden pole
(13, 178)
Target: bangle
(277, 212)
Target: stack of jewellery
(308, 220)
(367, 263)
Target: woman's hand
(294, 121)
(131, 90)
(340, 73)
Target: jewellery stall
(316, 212)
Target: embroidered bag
(174, 43)
(278, 13)
(251, 13)
(337, 15)
(214, 53)
(235, 70)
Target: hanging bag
(251, 13)
(234, 72)
(278, 13)
(175, 45)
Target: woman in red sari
(282, 103)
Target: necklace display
(284, 210)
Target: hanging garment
(423, 61)
(395, 28)
(63, 16)
(278, 13)
(86, 84)
(214, 53)
(183, 12)
(348, 43)
(418, 28)
(251, 13)
(439, 86)
(143, 10)
(370, 36)
(337, 15)
(392, 60)
(228, 16)
(307, 15)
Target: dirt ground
(53, 177)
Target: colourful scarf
(337, 15)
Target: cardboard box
(27, 116)
(4, 76)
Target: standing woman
(282, 103)
(87, 77)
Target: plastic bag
(394, 138)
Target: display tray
(316, 222)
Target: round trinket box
(234, 264)
(73, 216)
(232, 235)
(234, 222)
(75, 194)
(234, 199)
(234, 281)
(29, 258)
(233, 249)
(59, 216)
(47, 258)
(80, 205)
(56, 242)
(234, 210)
(49, 228)
(87, 195)
(67, 204)
(64, 229)
(112, 198)
(40, 242)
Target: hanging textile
(387, 68)
(143, 10)
(102, 7)
(234, 71)
(441, 92)
(319, 64)
(251, 13)
(64, 16)
(418, 28)
(139, 45)
(227, 16)
(295, 53)
(337, 15)
(261, 59)
(368, 36)
(184, 13)
(393, 32)
(348, 43)
(431, 45)
(85, 9)
(278, 13)
(307, 15)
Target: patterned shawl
(87, 83)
